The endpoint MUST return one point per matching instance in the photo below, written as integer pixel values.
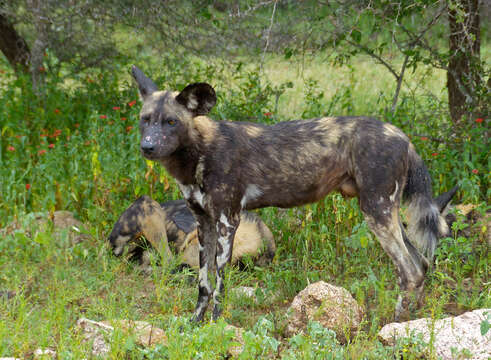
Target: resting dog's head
(166, 118)
(143, 218)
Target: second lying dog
(171, 226)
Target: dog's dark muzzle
(147, 149)
(147, 146)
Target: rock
(97, 332)
(245, 291)
(44, 354)
(460, 332)
(332, 306)
(146, 334)
(7, 294)
(236, 350)
(64, 220)
(60, 221)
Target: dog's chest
(193, 193)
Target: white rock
(245, 291)
(44, 353)
(461, 333)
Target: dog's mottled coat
(172, 225)
(223, 167)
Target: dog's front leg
(207, 248)
(226, 227)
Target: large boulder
(332, 306)
(452, 337)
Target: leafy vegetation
(76, 148)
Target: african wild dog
(223, 167)
(476, 222)
(172, 225)
(144, 217)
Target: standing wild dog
(224, 167)
(172, 225)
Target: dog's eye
(171, 122)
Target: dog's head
(166, 118)
(130, 226)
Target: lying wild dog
(223, 167)
(476, 223)
(172, 225)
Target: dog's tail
(425, 223)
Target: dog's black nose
(147, 148)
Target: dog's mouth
(129, 249)
(149, 156)
(118, 251)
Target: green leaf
(206, 13)
(288, 53)
(364, 241)
(41, 238)
(485, 326)
(356, 36)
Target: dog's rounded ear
(198, 98)
(145, 85)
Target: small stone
(146, 334)
(44, 354)
(7, 294)
(96, 332)
(245, 291)
(236, 350)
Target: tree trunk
(13, 46)
(40, 20)
(463, 75)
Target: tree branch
(268, 33)
(370, 52)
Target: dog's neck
(182, 163)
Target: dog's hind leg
(384, 221)
(381, 173)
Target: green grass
(95, 170)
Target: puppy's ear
(198, 98)
(145, 85)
